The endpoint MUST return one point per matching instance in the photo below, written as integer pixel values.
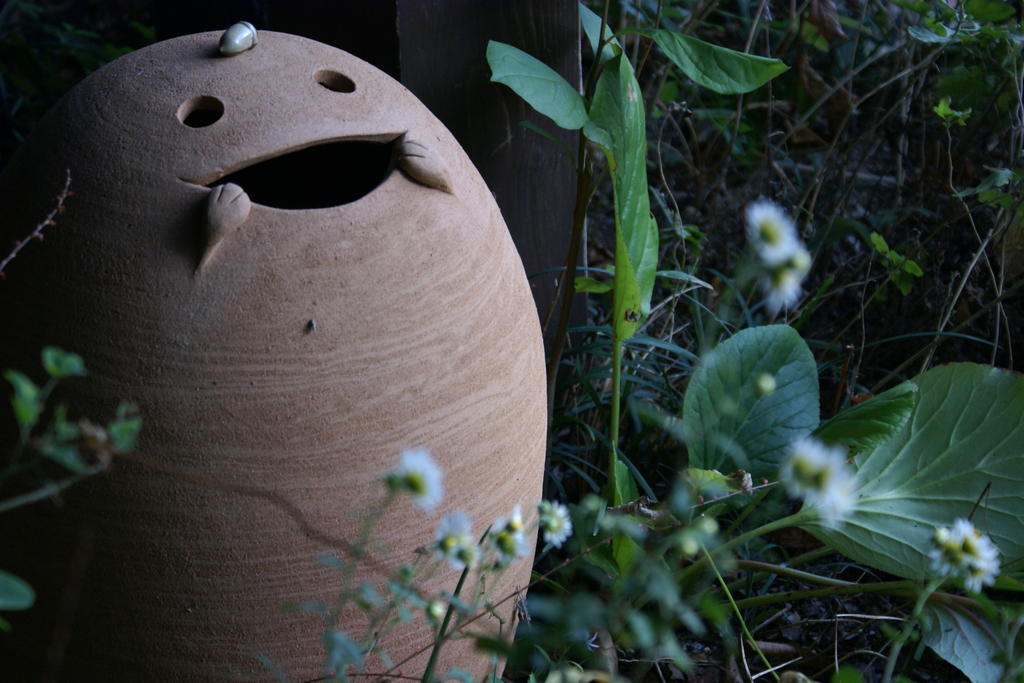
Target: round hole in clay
(201, 111)
(334, 80)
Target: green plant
(79, 449)
(49, 457)
(900, 269)
(749, 398)
(40, 58)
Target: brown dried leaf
(825, 17)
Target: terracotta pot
(295, 272)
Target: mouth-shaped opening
(317, 177)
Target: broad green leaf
(617, 125)
(963, 640)
(66, 456)
(963, 444)
(464, 676)
(589, 284)
(591, 24)
(949, 115)
(624, 488)
(935, 34)
(542, 87)
(684, 277)
(871, 423)
(989, 10)
(25, 400)
(64, 430)
(846, 674)
(910, 266)
(998, 178)
(879, 243)
(15, 594)
(730, 421)
(125, 429)
(624, 548)
(720, 69)
(60, 364)
(708, 483)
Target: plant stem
(616, 410)
(567, 283)
(51, 489)
(736, 610)
(783, 523)
(428, 673)
(790, 573)
(887, 587)
(908, 628)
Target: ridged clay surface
(281, 358)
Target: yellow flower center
(769, 232)
(416, 483)
(808, 475)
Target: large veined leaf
(728, 417)
(963, 445)
(542, 87)
(591, 24)
(871, 423)
(15, 594)
(617, 124)
(716, 68)
(963, 640)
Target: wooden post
(437, 48)
(442, 47)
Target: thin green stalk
(736, 610)
(566, 284)
(900, 588)
(790, 573)
(584, 189)
(750, 507)
(616, 408)
(783, 523)
(51, 489)
(428, 673)
(908, 628)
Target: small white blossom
(783, 256)
(555, 522)
(782, 288)
(801, 261)
(435, 611)
(418, 474)
(771, 232)
(965, 552)
(765, 384)
(507, 537)
(454, 542)
(819, 474)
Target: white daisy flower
(554, 522)
(964, 551)
(771, 232)
(454, 542)
(782, 288)
(418, 474)
(507, 537)
(801, 261)
(819, 474)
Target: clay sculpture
(295, 272)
